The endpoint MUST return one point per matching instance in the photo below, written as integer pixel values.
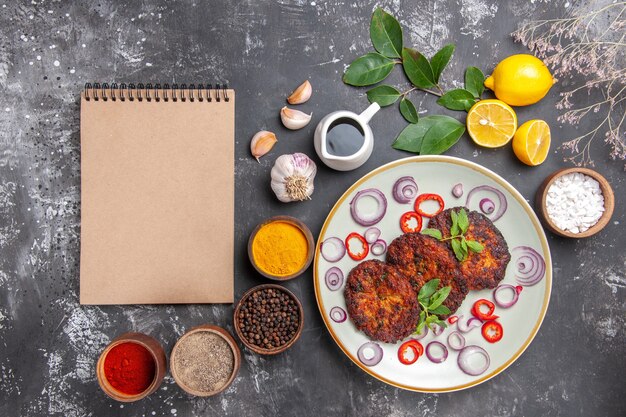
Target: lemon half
(531, 142)
(491, 123)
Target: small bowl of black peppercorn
(268, 319)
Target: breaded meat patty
(487, 268)
(381, 302)
(421, 258)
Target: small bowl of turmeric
(281, 248)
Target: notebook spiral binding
(158, 92)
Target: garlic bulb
(292, 177)
(301, 94)
(294, 119)
(262, 143)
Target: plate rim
(502, 182)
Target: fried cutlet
(421, 258)
(487, 268)
(381, 302)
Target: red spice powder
(129, 368)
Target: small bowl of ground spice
(268, 319)
(575, 202)
(281, 248)
(131, 367)
(205, 360)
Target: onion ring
(487, 205)
(502, 206)
(330, 244)
(334, 278)
(437, 329)
(379, 247)
(498, 298)
(456, 341)
(433, 357)
(371, 235)
(375, 358)
(530, 267)
(338, 314)
(466, 326)
(404, 190)
(372, 218)
(465, 364)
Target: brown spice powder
(203, 361)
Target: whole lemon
(520, 80)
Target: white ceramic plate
(519, 226)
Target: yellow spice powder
(280, 248)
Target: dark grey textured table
(49, 343)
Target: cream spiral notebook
(157, 194)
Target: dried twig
(576, 45)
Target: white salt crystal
(575, 202)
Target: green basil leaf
(439, 138)
(408, 110)
(368, 69)
(386, 34)
(464, 245)
(465, 252)
(421, 325)
(417, 68)
(439, 61)
(440, 310)
(441, 323)
(431, 319)
(433, 233)
(474, 81)
(463, 220)
(458, 99)
(410, 139)
(384, 95)
(456, 248)
(439, 297)
(454, 229)
(427, 290)
(475, 246)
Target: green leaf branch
(424, 75)
(462, 99)
(461, 246)
(431, 302)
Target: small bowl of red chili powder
(131, 367)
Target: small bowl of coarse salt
(575, 202)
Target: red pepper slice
(415, 347)
(359, 256)
(519, 289)
(406, 218)
(424, 197)
(492, 331)
(478, 312)
(453, 319)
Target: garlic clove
(294, 119)
(262, 143)
(301, 94)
